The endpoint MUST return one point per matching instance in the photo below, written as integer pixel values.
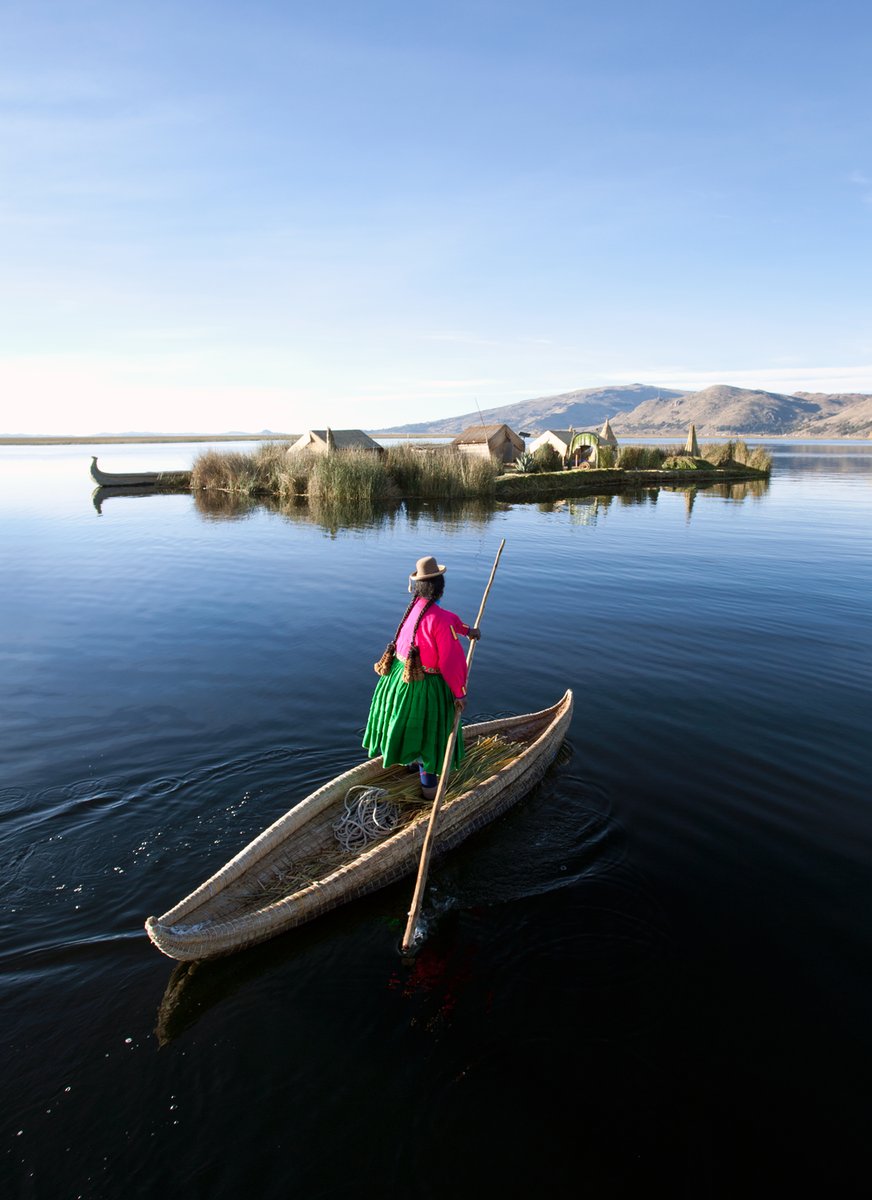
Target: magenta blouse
(438, 641)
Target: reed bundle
(484, 757)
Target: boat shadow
(195, 988)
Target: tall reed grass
(442, 473)
(721, 453)
(716, 454)
(347, 477)
(263, 471)
(640, 458)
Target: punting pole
(427, 848)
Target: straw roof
(491, 434)
(561, 435)
(606, 434)
(336, 439)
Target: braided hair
(431, 590)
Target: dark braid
(413, 671)
(383, 666)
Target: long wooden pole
(427, 848)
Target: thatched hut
(490, 441)
(692, 445)
(607, 437)
(324, 441)
(558, 438)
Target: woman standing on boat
(423, 682)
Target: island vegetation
(442, 473)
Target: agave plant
(526, 463)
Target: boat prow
(295, 870)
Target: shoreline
(145, 439)
(118, 439)
(546, 485)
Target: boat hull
(205, 925)
(140, 478)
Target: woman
(423, 683)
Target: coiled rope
(368, 816)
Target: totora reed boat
(307, 862)
(155, 479)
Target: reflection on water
(215, 505)
(837, 458)
(336, 515)
(582, 510)
(101, 494)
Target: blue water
(652, 974)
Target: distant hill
(720, 410)
(640, 410)
(580, 409)
(723, 411)
(850, 415)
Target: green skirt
(409, 722)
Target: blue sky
(280, 215)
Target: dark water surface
(654, 973)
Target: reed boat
(139, 478)
(297, 869)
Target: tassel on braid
(384, 664)
(413, 671)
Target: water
(653, 973)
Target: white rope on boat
(368, 816)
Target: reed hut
(607, 437)
(558, 438)
(691, 446)
(490, 441)
(325, 441)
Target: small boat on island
(317, 856)
(169, 479)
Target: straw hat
(427, 568)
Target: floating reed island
(352, 476)
(443, 473)
(541, 475)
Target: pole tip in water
(410, 946)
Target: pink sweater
(439, 644)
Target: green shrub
(684, 462)
(548, 458)
(606, 457)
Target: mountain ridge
(644, 410)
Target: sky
(280, 215)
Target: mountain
(580, 409)
(640, 410)
(720, 410)
(847, 414)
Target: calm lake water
(654, 973)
